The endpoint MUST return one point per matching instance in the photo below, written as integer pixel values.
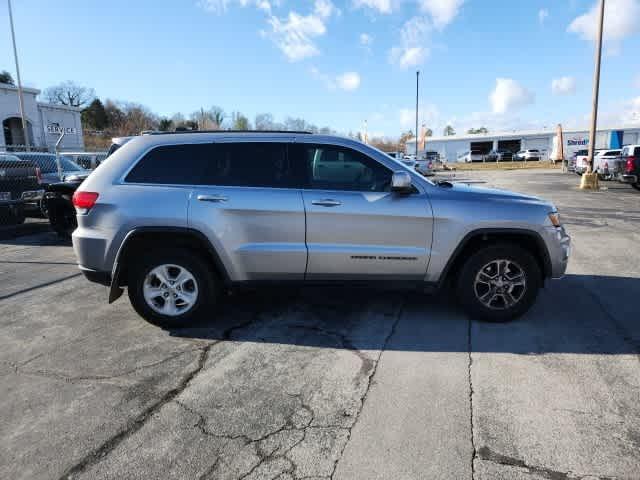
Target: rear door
(250, 206)
(356, 228)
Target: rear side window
(172, 164)
(251, 164)
(636, 153)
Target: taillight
(629, 165)
(39, 175)
(606, 165)
(84, 201)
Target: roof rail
(153, 132)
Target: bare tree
(264, 121)
(239, 121)
(69, 93)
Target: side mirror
(401, 182)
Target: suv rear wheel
(499, 283)
(171, 288)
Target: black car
(19, 182)
(52, 171)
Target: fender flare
(542, 247)
(115, 290)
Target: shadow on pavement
(581, 314)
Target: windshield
(47, 163)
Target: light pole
(417, 89)
(590, 179)
(25, 131)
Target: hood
(495, 194)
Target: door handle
(212, 198)
(327, 202)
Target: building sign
(577, 142)
(56, 128)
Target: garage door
(542, 143)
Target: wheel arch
(138, 240)
(530, 240)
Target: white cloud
(509, 95)
(381, 6)
(348, 81)
(620, 21)
(563, 86)
(365, 39)
(412, 50)
(295, 35)
(543, 14)
(442, 11)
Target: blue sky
(489, 62)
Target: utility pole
(587, 179)
(25, 131)
(417, 90)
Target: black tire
(62, 219)
(208, 287)
(467, 288)
(636, 186)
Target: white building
(44, 121)
(452, 147)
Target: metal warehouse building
(45, 121)
(452, 147)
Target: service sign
(58, 129)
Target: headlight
(554, 217)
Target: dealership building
(452, 147)
(45, 121)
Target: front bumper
(558, 244)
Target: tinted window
(172, 164)
(337, 168)
(251, 165)
(636, 153)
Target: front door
(357, 229)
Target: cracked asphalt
(331, 383)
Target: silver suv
(177, 218)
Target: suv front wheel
(499, 283)
(171, 288)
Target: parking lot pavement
(330, 383)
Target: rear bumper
(626, 178)
(95, 276)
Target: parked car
(425, 167)
(574, 158)
(499, 156)
(50, 174)
(582, 161)
(19, 183)
(470, 156)
(529, 155)
(173, 221)
(628, 166)
(604, 162)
